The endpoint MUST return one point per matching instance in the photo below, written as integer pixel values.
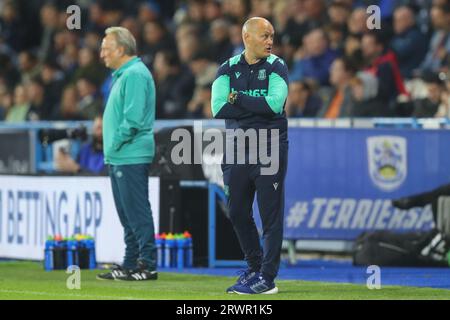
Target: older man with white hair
(129, 148)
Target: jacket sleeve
(221, 109)
(274, 102)
(136, 93)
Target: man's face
(402, 20)
(315, 42)
(434, 92)
(370, 48)
(337, 74)
(110, 52)
(259, 41)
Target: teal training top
(129, 116)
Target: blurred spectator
(357, 24)
(364, 89)
(444, 109)
(315, 11)
(305, 16)
(53, 81)
(92, 41)
(382, 63)
(409, 43)
(148, 11)
(336, 37)
(96, 23)
(6, 101)
(49, 21)
(173, 89)
(301, 101)
(339, 14)
(429, 106)
(20, 110)
(187, 48)
(315, 59)
(12, 30)
(212, 10)
(90, 157)
(236, 10)
(89, 104)
(236, 39)
(437, 58)
(340, 101)
(200, 108)
(282, 12)
(89, 67)
(7, 70)
(204, 71)
(156, 38)
(68, 109)
(28, 66)
(133, 25)
(352, 50)
(261, 8)
(68, 60)
(195, 14)
(36, 97)
(220, 48)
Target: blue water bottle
(159, 242)
(168, 251)
(48, 256)
(90, 245)
(181, 249)
(189, 252)
(71, 252)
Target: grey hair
(124, 39)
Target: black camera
(47, 136)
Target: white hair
(124, 39)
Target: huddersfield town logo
(262, 74)
(387, 161)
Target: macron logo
(238, 74)
(275, 186)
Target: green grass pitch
(28, 280)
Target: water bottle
(48, 256)
(189, 254)
(71, 252)
(90, 245)
(168, 251)
(181, 249)
(159, 242)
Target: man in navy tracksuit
(250, 92)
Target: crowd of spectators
(338, 66)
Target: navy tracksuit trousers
(130, 191)
(241, 182)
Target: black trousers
(242, 181)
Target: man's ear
(245, 37)
(121, 51)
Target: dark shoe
(142, 273)
(403, 203)
(138, 275)
(116, 271)
(244, 275)
(257, 284)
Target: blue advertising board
(340, 182)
